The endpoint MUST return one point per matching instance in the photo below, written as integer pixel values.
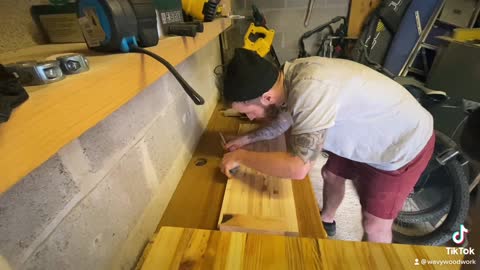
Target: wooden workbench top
(178, 248)
(197, 201)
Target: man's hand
(231, 161)
(237, 143)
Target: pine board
(179, 248)
(254, 202)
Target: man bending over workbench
(374, 131)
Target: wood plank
(178, 248)
(198, 197)
(359, 11)
(308, 213)
(248, 223)
(255, 202)
(58, 113)
(197, 200)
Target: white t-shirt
(369, 117)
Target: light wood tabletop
(179, 248)
(197, 200)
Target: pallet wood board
(254, 202)
(179, 248)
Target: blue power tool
(125, 26)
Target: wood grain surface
(255, 202)
(198, 198)
(179, 248)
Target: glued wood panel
(197, 200)
(254, 202)
(179, 248)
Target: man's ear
(267, 98)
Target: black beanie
(248, 76)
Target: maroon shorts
(382, 193)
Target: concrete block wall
(95, 204)
(287, 17)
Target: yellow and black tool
(258, 39)
(202, 10)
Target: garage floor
(348, 218)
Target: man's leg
(377, 229)
(333, 192)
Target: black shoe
(330, 228)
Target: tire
(442, 206)
(456, 216)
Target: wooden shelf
(57, 113)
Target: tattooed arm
(274, 129)
(305, 148)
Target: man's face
(256, 110)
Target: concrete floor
(348, 217)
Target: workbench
(187, 236)
(197, 201)
(179, 248)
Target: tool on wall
(171, 19)
(125, 26)
(309, 12)
(203, 10)
(259, 37)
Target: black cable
(197, 99)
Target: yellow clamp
(263, 44)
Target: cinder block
(29, 206)
(278, 41)
(343, 4)
(122, 127)
(301, 3)
(287, 54)
(237, 5)
(163, 143)
(266, 4)
(96, 228)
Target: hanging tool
(116, 25)
(203, 10)
(171, 19)
(309, 12)
(258, 39)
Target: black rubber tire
(456, 216)
(435, 212)
(440, 209)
